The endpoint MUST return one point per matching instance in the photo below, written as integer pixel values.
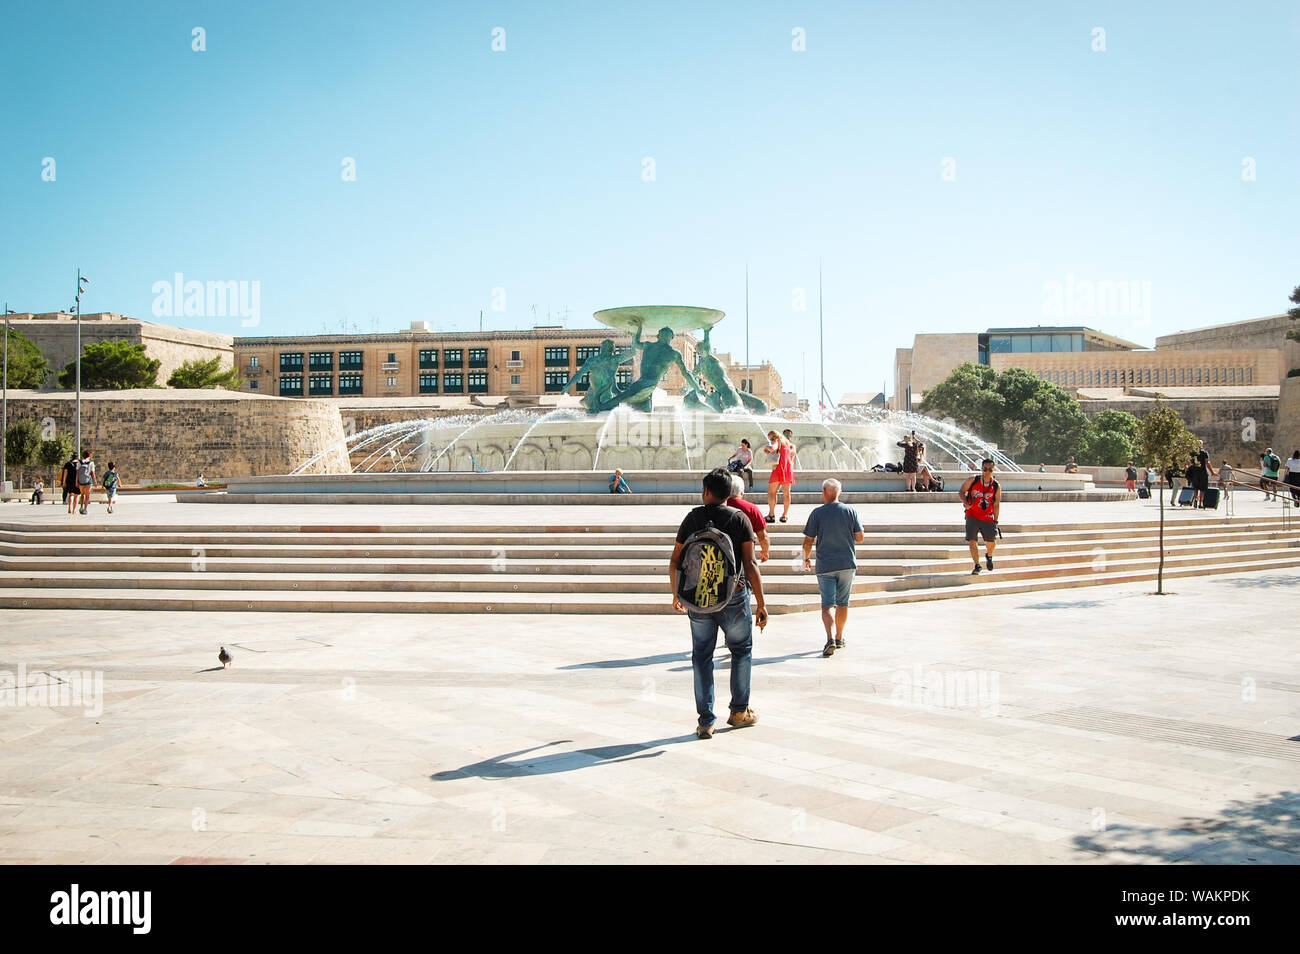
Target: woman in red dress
(782, 474)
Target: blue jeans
(737, 624)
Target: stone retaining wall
(171, 436)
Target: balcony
(252, 370)
(514, 365)
(390, 366)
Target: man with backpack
(982, 502)
(712, 571)
(85, 480)
(1270, 464)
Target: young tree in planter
(20, 446)
(54, 452)
(1162, 437)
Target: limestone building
(55, 333)
(516, 366)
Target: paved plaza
(1093, 725)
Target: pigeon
(224, 658)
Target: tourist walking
(742, 462)
(1172, 473)
(110, 483)
(982, 502)
(1203, 472)
(712, 572)
(1150, 479)
(68, 481)
(909, 444)
(617, 485)
(782, 476)
(85, 480)
(836, 530)
(1130, 477)
(1269, 465)
(1292, 478)
(737, 500)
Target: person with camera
(982, 502)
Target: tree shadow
(1261, 582)
(1244, 833)
(511, 766)
(1065, 604)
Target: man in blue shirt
(836, 529)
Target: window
(557, 357)
(252, 362)
(1250, 377)
(1020, 344)
(478, 382)
(514, 378)
(252, 385)
(428, 384)
(556, 380)
(392, 357)
(291, 385)
(453, 383)
(514, 356)
(623, 377)
(291, 361)
(453, 358)
(1040, 343)
(586, 351)
(478, 358)
(999, 344)
(321, 384)
(349, 384)
(428, 358)
(584, 383)
(1072, 378)
(392, 382)
(1062, 342)
(322, 361)
(350, 360)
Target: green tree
(204, 374)
(112, 366)
(1162, 440)
(1294, 314)
(21, 441)
(982, 400)
(1113, 442)
(27, 366)
(54, 452)
(1015, 438)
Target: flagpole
(749, 381)
(821, 340)
(4, 419)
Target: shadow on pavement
(511, 765)
(638, 661)
(1239, 835)
(1265, 581)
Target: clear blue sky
(522, 169)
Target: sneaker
(742, 718)
(704, 731)
(988, 561)
(829, 648)
(976, 571)
(839, 644)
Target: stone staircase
(574, 569)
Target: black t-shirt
(730, 521)
(1203, 457)
(1130, 473)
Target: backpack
(1274, 462)
(110, 480)
(707, 570)
(85, 473)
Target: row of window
(1114, 378)
(451, 358)
(318, 384)
(1034, 344)
(454, 383)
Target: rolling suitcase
(1186, 496)
(1212, 499)
(1143, 492)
